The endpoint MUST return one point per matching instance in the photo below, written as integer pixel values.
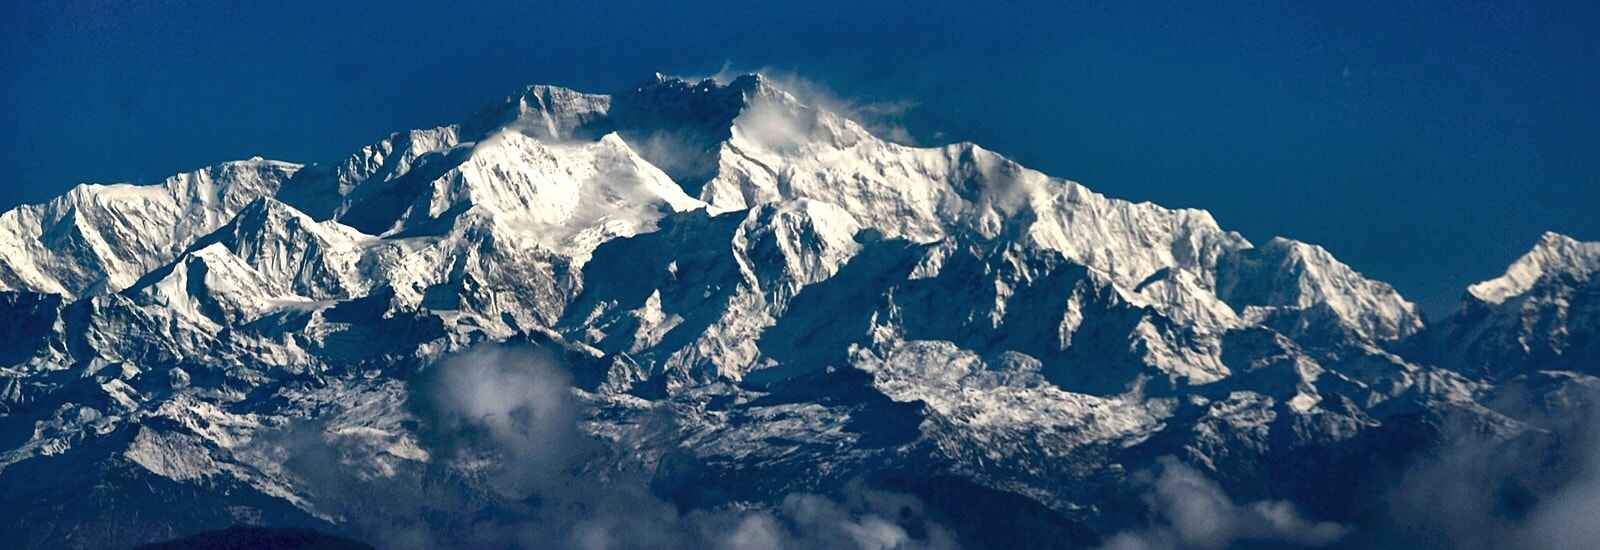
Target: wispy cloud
(508, 413)
(1530, 480)
(509, 467)
(1190, 511)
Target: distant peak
(1283, 243)
(724, 78)
(747, 86)
(1284, 249)
(258, 160)
(1551, 239)
(748, 83)
(266, 206)
(1555, 249)
(559, 112)
(1553, 254)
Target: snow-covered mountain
(714, 301)
(1541, 314)
(98, 239)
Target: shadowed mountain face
(711, 314)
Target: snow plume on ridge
(1192, 512)
(882, 118)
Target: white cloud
(1528, 483)
(510, 410)
(756, 531)
(1192, 512)
(508, 420)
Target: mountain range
(715, 314)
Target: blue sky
(1426, 144)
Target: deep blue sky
(1427, 144)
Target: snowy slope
(1287, 284)
(101, 238)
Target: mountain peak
(101, 238)
(554, 112)
(543, 111)
(1554, 254)
(1285, 275)
(744, 82)
(1551, 239)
